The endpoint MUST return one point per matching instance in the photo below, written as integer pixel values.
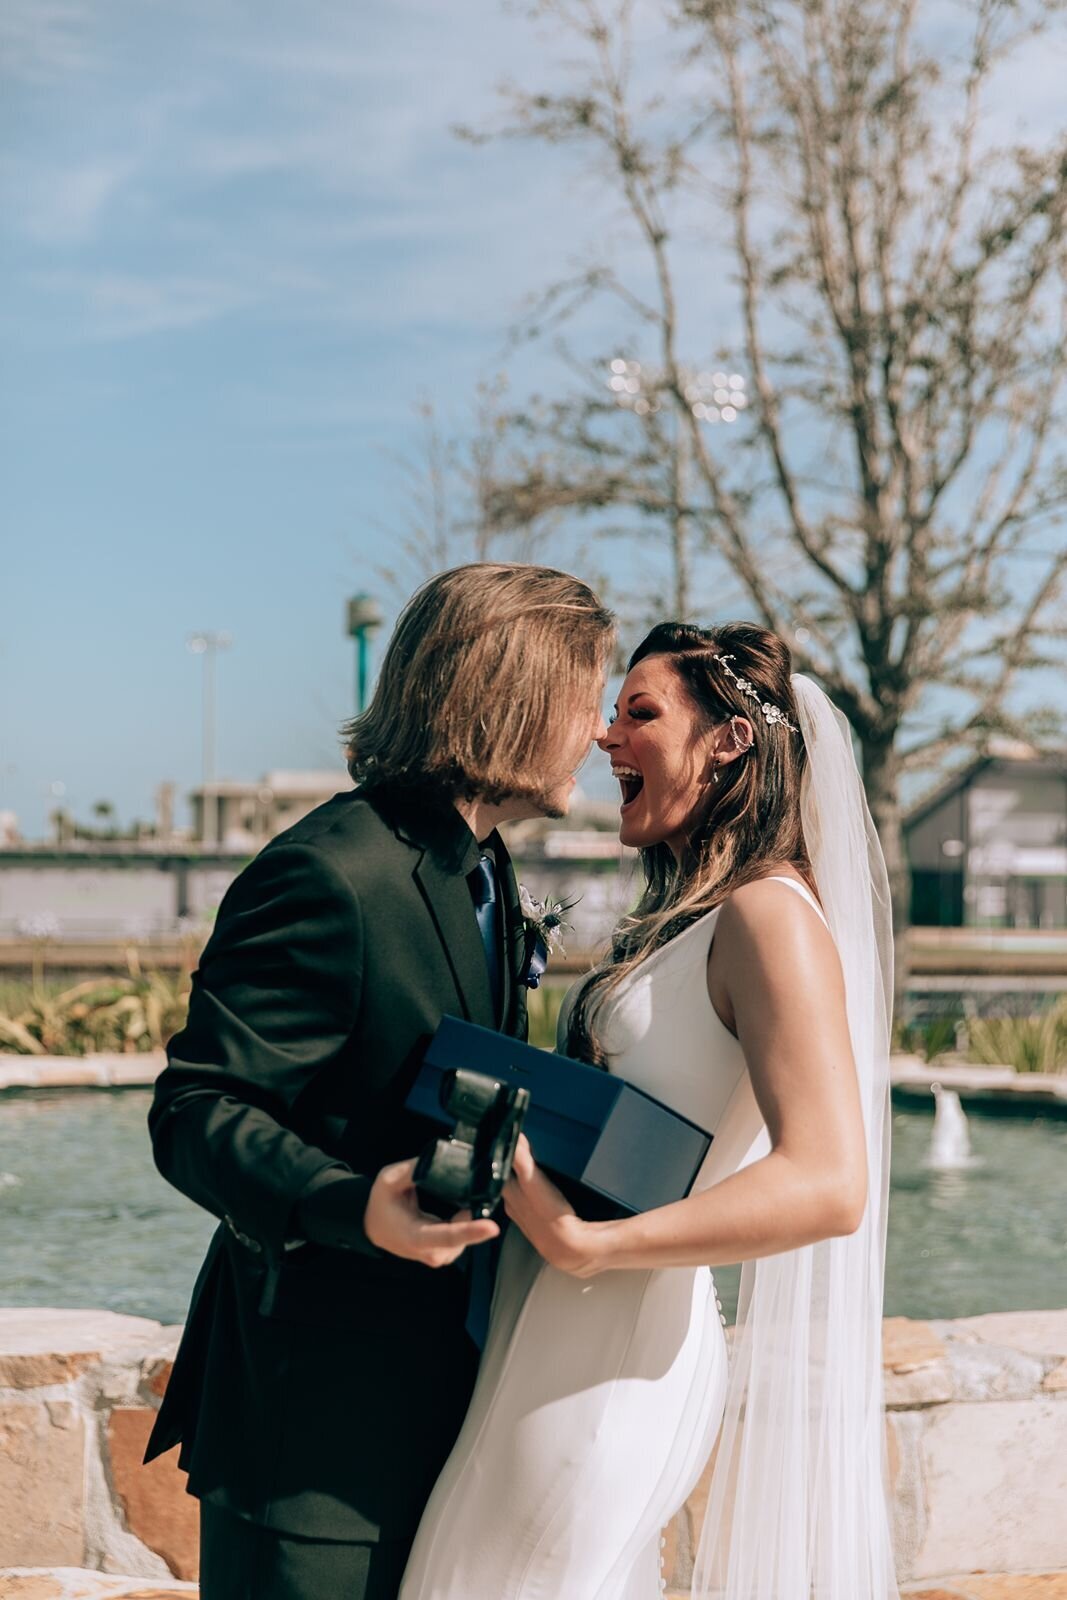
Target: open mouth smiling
(631, 783)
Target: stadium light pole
(364, 617)
(208, 645)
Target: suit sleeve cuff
(330, 1211)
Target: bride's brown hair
(749, 825)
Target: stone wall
(976, 1431)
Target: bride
(748, 990)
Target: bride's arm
(775, 979)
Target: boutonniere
(544, 923)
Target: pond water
(85, 1219)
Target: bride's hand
(548, 1220)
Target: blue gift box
(613, 1148)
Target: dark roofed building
(988, 848)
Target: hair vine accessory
(771, 713)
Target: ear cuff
(741, 736)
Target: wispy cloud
(44, 40)
(67, 204)
(126, 307)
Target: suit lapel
(448, 852)
(448, 900)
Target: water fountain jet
(950, 1142)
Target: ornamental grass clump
(129, 1015)
(927, 1039)
(1037, 1043)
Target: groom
(332, 1341)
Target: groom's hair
(487, 662)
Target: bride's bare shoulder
(767, 918)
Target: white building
(243, 816)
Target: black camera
(471, 1166)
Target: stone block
(1056, 1380)
(156, 1594)
(1038, 1333)
(993, 1372)
(156, 1508)
(916, 1368)
(42, 1485)
(907, 1500)
(29, 1371)
(1018, 1586)
(73, 1072)
(996, 1485)
(930, 1385)
(81, 1337)
(907, 1345)
(157, 1377)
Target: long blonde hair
(750, 823)
(483, 663)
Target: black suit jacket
(319, 1386)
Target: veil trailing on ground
(797, 1508)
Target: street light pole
(208, 645)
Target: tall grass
(131, 1014)
(1035, 1043)
(927, 1039)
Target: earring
(715, 774)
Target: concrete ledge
(975, 1084)
(909, 1075)
(103, 1071)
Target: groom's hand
(394, 1221)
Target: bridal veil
(797, 1508)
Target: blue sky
(242, 243)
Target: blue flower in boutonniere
(544, 924)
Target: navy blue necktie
(485, 895)
(482, 1258)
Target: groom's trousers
(241, 1560)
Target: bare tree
(449, 498)
(892, 500)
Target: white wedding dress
(598, 1402)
